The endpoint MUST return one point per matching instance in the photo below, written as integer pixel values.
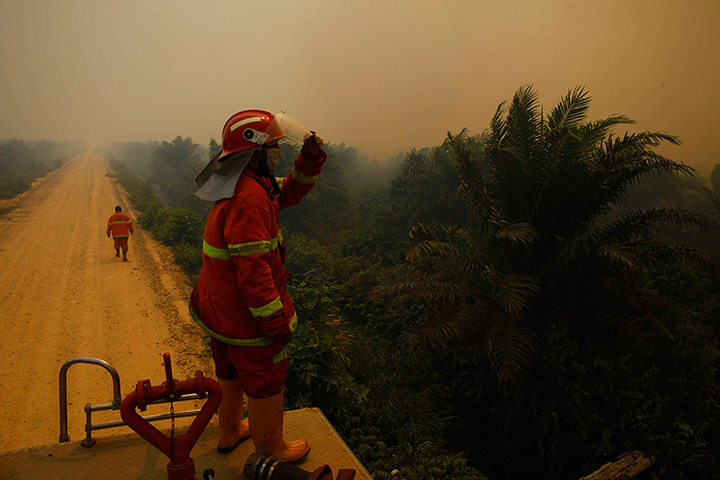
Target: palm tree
(538, 240)
(425, 189)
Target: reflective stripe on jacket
(240, 296)
(119, 225)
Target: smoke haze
(379, 76)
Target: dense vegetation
(21, 162)
(530, 302)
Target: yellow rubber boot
(233, 429)
(266, 429)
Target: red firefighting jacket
(119, 225)
(240, 296)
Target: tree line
(21, 162)
(528, 302)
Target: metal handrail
(114, 405)
(88, 441)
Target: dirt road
(64, 294)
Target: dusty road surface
(64, 294)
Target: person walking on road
(240, 297)
(120, 226)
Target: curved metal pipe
(114, 405)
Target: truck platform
(130, 457)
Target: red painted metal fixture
(176, 448)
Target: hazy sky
(381, 76)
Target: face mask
(273, 157)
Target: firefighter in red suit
(120, 226)
(240, 297)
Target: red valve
(181, 466)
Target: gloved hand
(283, 338)
(108, 234)
(311, 146)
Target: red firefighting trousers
(264, 369)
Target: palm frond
(639, 223)
(435, 240)
(571, 110)
(589, 252)
(620, 255)
(519, 233)
(625, 243)
(524, 105)
(595, 132)
(468, 168)
(511, 348)
(514, 291)
(437, 292)
(633, 148)
(431, 248)
(523, 121)
(498, 127)
(465, 326)
(462, 155)
(622, 162)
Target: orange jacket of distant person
(119, 227)
(240, 297)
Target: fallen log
(625, 467)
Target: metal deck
(130, 457)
